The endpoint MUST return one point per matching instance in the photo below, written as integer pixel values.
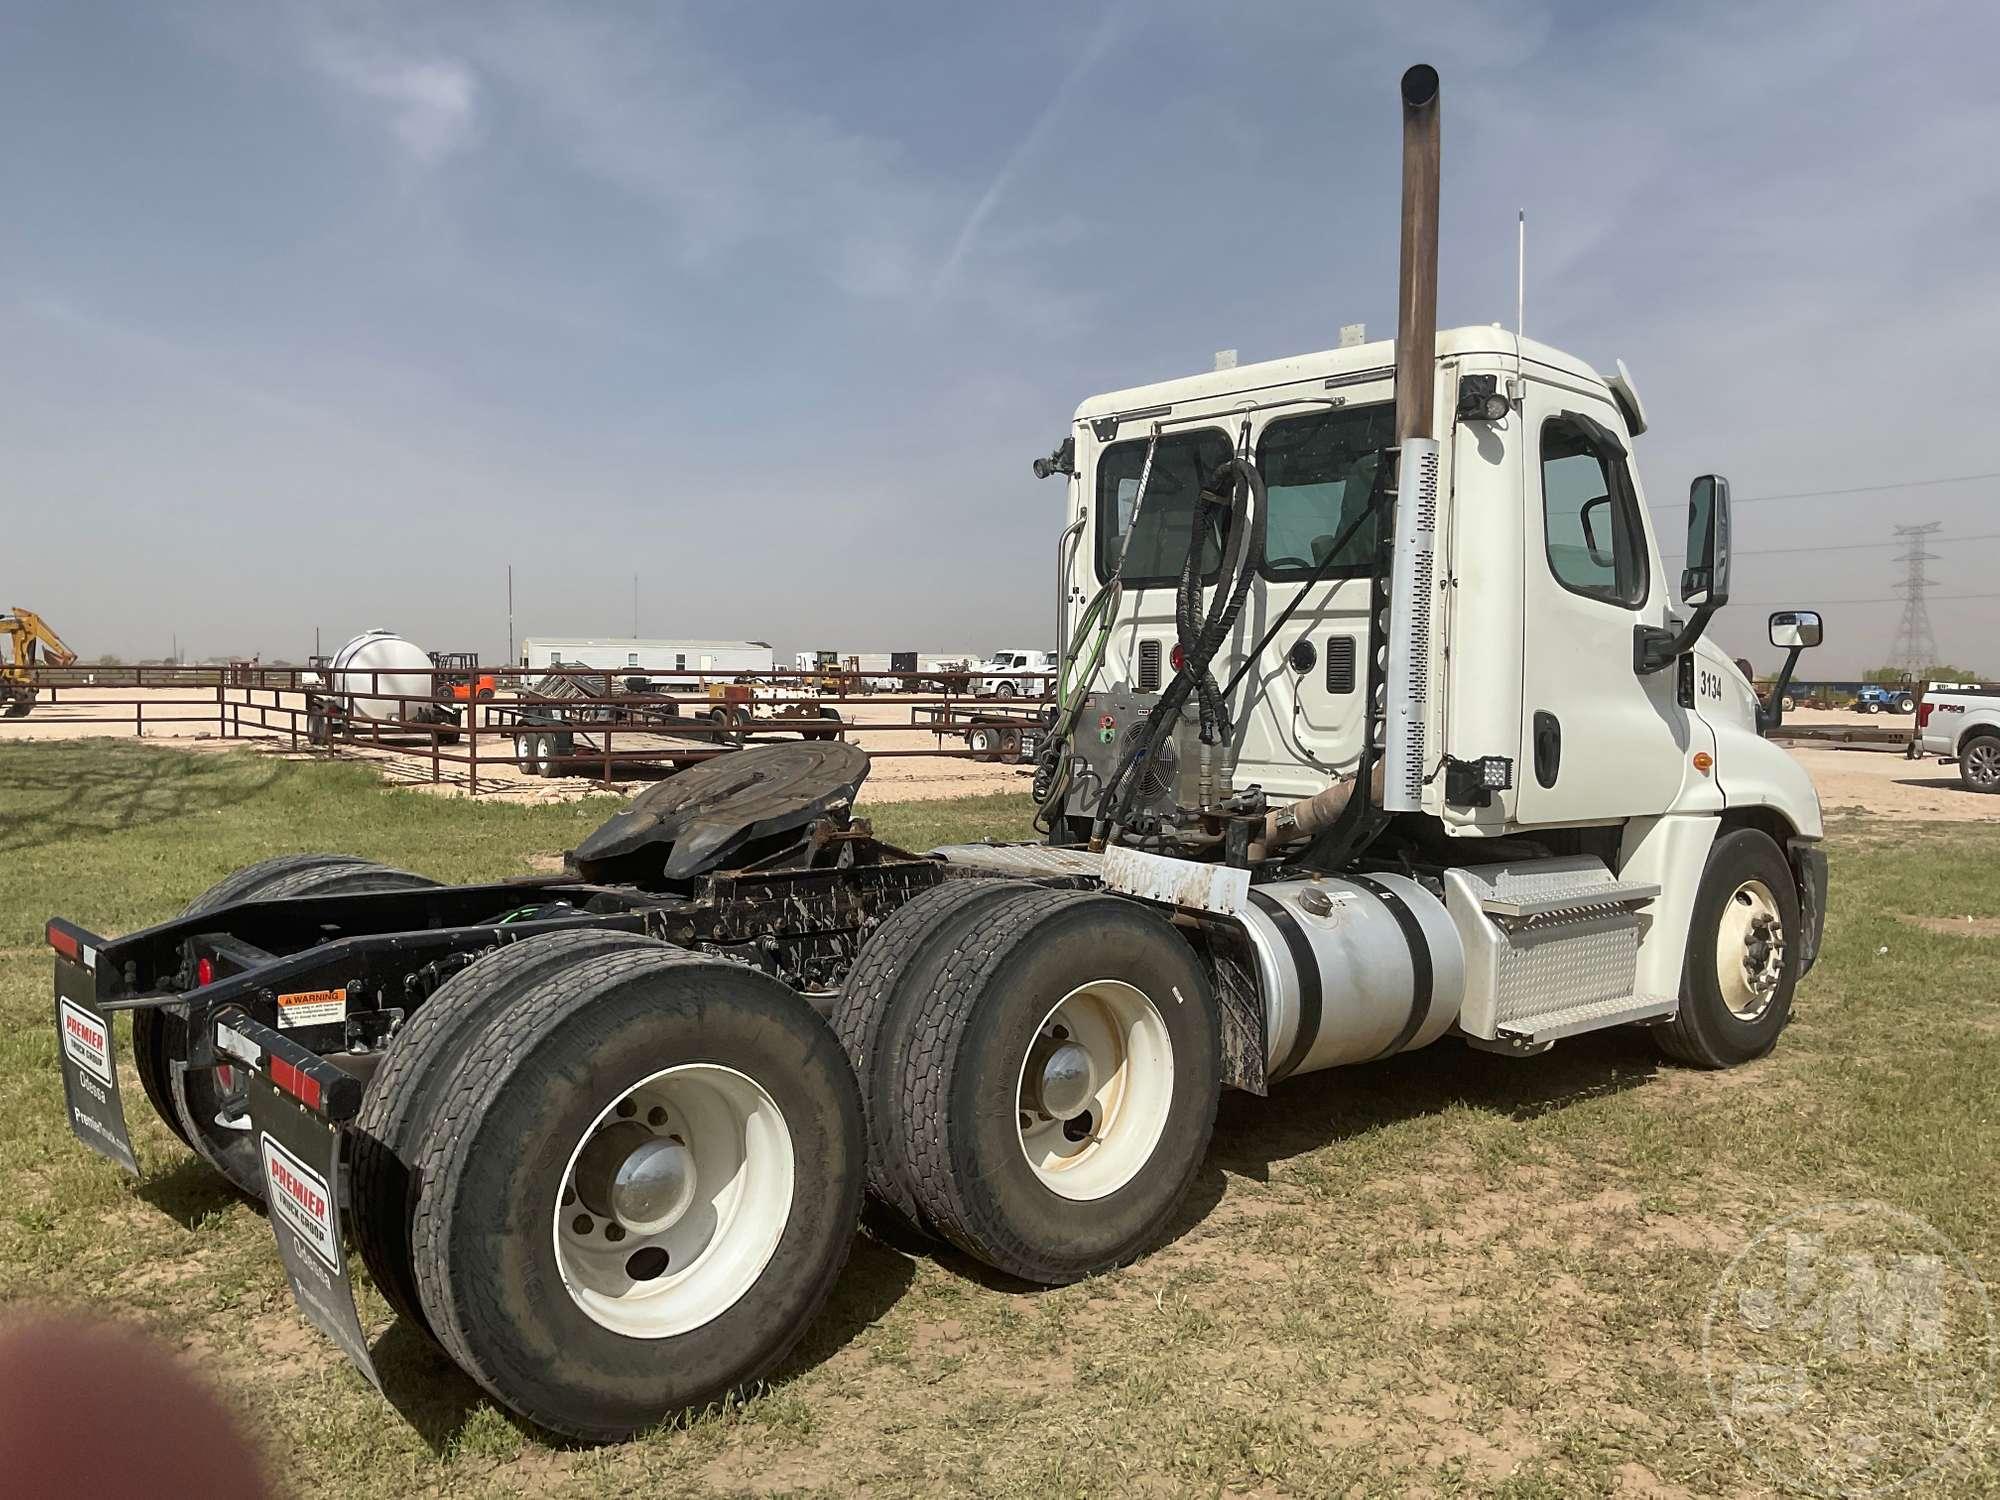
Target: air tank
(379, 675)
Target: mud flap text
(300, 1153)
(89, 1066)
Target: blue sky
(319, 315)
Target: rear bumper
(1809, 863)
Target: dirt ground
(1875, 782)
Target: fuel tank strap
(1422, 979)
(1307, 965)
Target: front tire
(1742, 960)
(639, 1191)
(1060, 1085)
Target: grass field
(1448, 1273)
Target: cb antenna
(1520, 299)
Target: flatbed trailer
(993, 732)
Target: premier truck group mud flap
(89, 1060)
(300, 1153)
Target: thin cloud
(1024, 151)
(430, 102)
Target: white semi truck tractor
(1381, 724)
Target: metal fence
(589, 728)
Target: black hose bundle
(1238, 486)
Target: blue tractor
(1876, 699)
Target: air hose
(1239, 486)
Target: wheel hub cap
(653, 1186)
(1068, 1082)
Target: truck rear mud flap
(89, 1052)
(298, 1103)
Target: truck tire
(1742, 958)
(1059, 1089)
(644, 1112)
(419, 1066)
(896, 972)
(197, 1101)
(983, 740)
(1979, 763)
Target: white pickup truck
(1961, 722)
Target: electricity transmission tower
(1916, 644)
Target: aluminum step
(1549, 887)
(1553, 1025)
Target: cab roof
(1244, 380)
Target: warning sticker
(312, 1008)
(86, 1040)
(301, 1198)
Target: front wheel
(1979, 764)
(1742, 960)
(638, 1192)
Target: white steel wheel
(1750, 950)
(674, 1201)
(1096, 1088)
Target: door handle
(1548, 748)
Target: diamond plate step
(1553, 1025)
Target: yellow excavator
(30, 643)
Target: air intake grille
(1149, 666)
(1340, 664)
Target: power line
(1884, 599)
(1859, 489)
(1984, 536)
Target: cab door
(1599, 741)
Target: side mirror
(1796, 628)
(1705, 580)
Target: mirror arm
(1654, 649)
(1771, 714)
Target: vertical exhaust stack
(1416, 300)
(1412, 577)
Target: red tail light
(204, 971)
(65, 943)
(1176, 658)
(1923, 715)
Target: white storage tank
(379, 675)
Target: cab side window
(1590, 517)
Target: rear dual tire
(420, 1065)
(736, 1087)
(1043, 1069)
